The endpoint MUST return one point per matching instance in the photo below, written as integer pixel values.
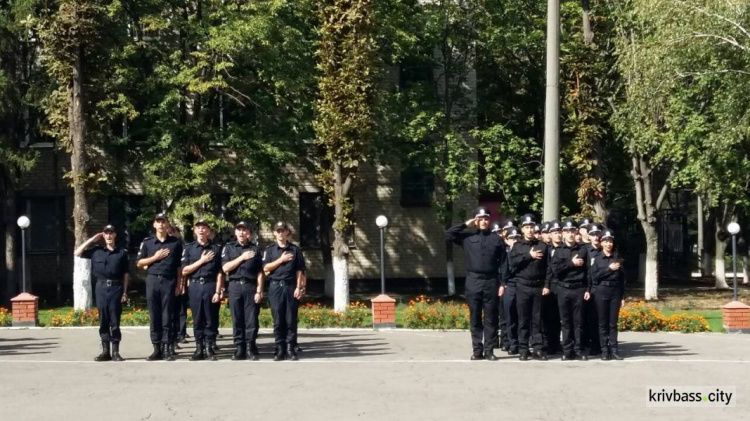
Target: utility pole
(552, 115)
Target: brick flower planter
(736, 317)
(383, 312)
(25, 309)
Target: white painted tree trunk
(745, 262)
(81, 284)
(341, 276)
(651, 276)
(720, 265)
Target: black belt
(485, 274)
(284, 283)
(243, 281)
(160, 276)
(608, 283)
(109, 282)
(571, 285)
(202, 280)
(535, 284)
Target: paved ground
(359, 374)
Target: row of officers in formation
(540, 289)
(198, 275)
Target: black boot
(240, 353)
(292, 353)
(116, 352)
(279, 353)
(167, 351)
(252, 351)
(214, 346)
(210, 353)
(581, 356)
(615, 355)
(540, 355)
(176, 345)
(156, 355)
(104, 356)
(605, 355)
(524, 356)
(490, 356)
(200, 352)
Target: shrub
(6, 318)
(639, 317)
(76, 318)
(421, 313)
(136, 317)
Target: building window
(46, 232)
(417, 188)
(124, 212)
(316, 222)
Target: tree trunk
(707, 255)
(340, 248)
(588, 33)
(77, 132)
(720, 265)
(745, 272)
(651, 276)
(11, 286)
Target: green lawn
(713, 317)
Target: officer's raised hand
(614, 266)
(577, 261)
(471, 222)
(207, 256)
(536, 254)
(545, 291)
(501, 291)
(586, 296)
(286, 257)
(248, 255)
(161, 254)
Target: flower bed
(422, 313)
(639, 317)
(6, 318)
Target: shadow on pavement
(27, 346)
(653, 349)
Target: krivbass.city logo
(692, 396)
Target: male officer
(550, 312)
(546, 239)
(110, 266)
(569, 264)
(284, 265)
(161, 254)
(512, 235)
(529, 262)
(485, 257)
(181, 303)
(243, 264)
(502, 341)
(590, 316)
(201, 263)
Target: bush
(6, 318)
(315, 315)
(76, 318)
(421, 313)
(136, 317)
(638, 317)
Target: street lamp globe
(23, 222)
(381, 221)
(733, 228)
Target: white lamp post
(734, 229)
(382, 222)
(23, 223)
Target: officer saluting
(284, 266)
(161, 254)
(243, 264)
(201, 263)
(110, 266)
(529, 262)
(485, 257)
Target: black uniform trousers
(179, 316)
(481, 296)
(551, 321)
(608, 300)
(570, 303)
(110, 310)
(502, 326)
(529, 305)
(591, 324)
(244, 312)
(511, 315)
(216, 309)
(284, 310)
(204, 320)
(160, 299)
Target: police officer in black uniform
(284, 266)
(608, 287)
(550, 312)
(512, 235)
(161, 254)
(110, 266)
(568, 264)
(201, 263)
(591, 318)
(502, 340)
(485, 258)
(180, 305)
(528, 258)
(243, 264)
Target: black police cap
(162, 216)
(569, 224)
(513, 233)
(508, 225)
(607, 234)
(109, 227)
(281, 225)
(202, 222)
(585, 223)
(555, 226)
(528, 219)
(495, 227)
(241, 224)
(482, 212)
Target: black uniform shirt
(167, 266)
(287, 271)
(246, 269)
(600, 271)
(562, 267)
(194, 251)
(526, 267)
(484, 251)
(108, 264)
